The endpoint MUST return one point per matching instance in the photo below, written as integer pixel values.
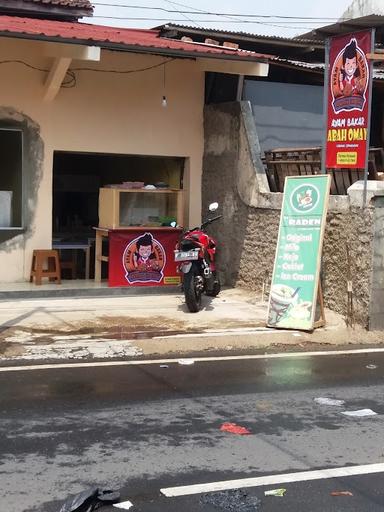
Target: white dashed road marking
(303, 476)
(138, 362)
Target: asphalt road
(143, 428)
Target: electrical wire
(125, 72)
(147, 18)
(24, 64)
(200, 10)
(70, 80)
(212, 13)
(70, 77)
(239, 19)
(184, 15)
(277, 24)
(167, 20)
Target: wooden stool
(45, 257)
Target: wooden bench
(282, 162)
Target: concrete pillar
(376, 306)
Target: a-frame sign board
(295, 287)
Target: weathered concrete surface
(247, 234)
(376, 309)
(348, 232)
(154, 326)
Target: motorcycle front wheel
(192, 290)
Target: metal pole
(325, 107)
(240, 88)
(370, 67)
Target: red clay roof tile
(124, 38)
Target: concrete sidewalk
(150, 325)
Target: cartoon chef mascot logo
(349, 80)
(144, 260)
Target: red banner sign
(143, 257)
(348, 101)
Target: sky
(326, 12)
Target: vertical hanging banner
(348, 105)
(295, 280)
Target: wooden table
(75, 246)
(100, 234)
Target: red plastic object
(235, 429)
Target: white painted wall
(360, 8)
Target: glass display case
(125, 208)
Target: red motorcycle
(196, 254)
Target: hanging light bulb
(164, 99)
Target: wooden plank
(339, 182)
(287, 161)
(280, 178)
(276, 179)
(302, 150)
(346, 178)
(372, 171)
(333, 183)
(354, 175)
(180, 208)
(98, 254)
(320, 299)
(375, 56)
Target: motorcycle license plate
(186, 255)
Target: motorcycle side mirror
(213, 207)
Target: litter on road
(125, 505)
(186, 362)
(275, 492)
(362, 413)
(89, 500)
(341, 493)
(232, 501)
(232, 428)
(371, 366)
(164, 366)
(329, 401)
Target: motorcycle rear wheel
(216, 287)
(192, 293)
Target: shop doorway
(77, 179)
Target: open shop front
(113, 215)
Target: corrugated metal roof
(175, 26)
(378, 73)
(123, 38)
(346, 26)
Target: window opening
(11, 179)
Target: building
(285, 110)
(83, 106)
(359, 8)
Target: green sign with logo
(293, 296)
